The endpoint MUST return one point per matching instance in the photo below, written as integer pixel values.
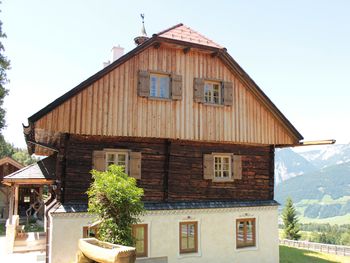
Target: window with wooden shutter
(227, 90)
(198, 90)
(208, 166)
(135, 165)
(143, 85)
(237, 167)
(222, 167)
(176, 87)
(98, 161)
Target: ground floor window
(188, 237)
(89, 231)
(140, 234)
(245, 232)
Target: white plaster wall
(216, 242)
(66, 229)
(217, 235)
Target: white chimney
(116, 53)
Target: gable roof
(11, 161)
(42, 170)
(171, 35)
(187, 34)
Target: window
(140, 234)
(26, 199)
(89, 231)
(188, 237)
(212, 92)
(117, 158)
(159, 86)
(245, 232)
(222, 166)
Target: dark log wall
(172, 170)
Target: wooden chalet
(7, 166)
(196, 132)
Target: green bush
(116, 200)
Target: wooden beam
(186, 50)
(11, 204)
(156, 45)
(214, 54)
(15, 212)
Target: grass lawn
(295, 255)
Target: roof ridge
(170, 28)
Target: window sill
(215, 180)
(213, 104)
(189, 255)
(245, 249)
(159, 98)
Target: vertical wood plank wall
(111, 107)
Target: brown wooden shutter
(227, 90)
(98, 161)
(208, 166)
(135, 165)
(198, 90)
(143, 84)
(176, 87)
(237, 167)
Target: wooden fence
(325, 248)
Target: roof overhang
(11, 182)
(308, 143)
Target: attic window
(212, 92)
(159, 86)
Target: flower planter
(104, 252)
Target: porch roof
(42, 172)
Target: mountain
(333, 181)
(329, 155)
(318, 181)
(289, 164)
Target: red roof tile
(187, 34)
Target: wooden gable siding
(110, 106)
(172, 170)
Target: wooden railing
(325, 248)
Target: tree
(4, 66)
(290, 220)
(116, 200)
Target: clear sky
(297, 51)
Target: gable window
(140, 234)
(188, 237)
(245, 232)
(212, 92)
(222, 166)
(117, 158)
(159, 86)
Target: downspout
(48, 206)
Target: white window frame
(158, 87)
(210, 99)
(116, 153)
(221, 178)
